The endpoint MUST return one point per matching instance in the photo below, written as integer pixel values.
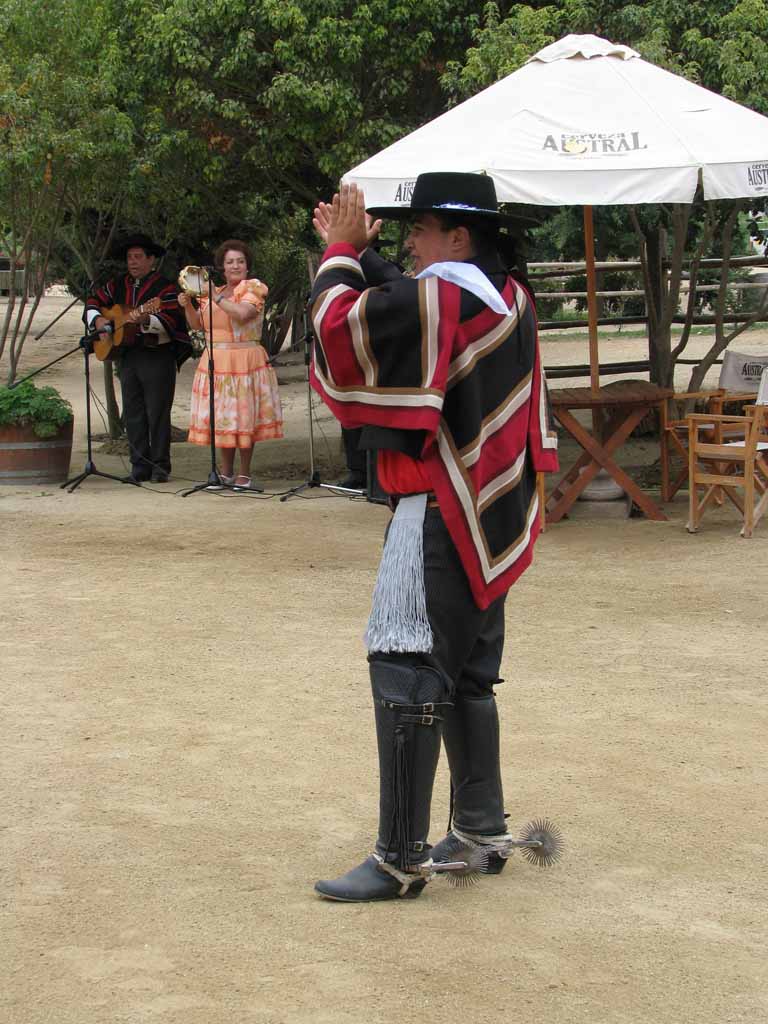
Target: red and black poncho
(127, 292)
(399, 355)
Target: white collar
(472, 278)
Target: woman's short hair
(232, 243)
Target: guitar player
(148, 356)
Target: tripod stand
(86, 346)
(90, 467)
(314, 479)
(214, 481)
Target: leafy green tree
(716, 43)
(297, 92)
(87, 151)
(63, 134)
(284, 96)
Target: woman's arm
(247, 303)
(192, 315)
(240, 312)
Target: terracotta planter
(26, 458)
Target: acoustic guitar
(123, 330)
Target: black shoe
(367, 883)
(451, 848)
(136, 478)
(160, 477)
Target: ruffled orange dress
(245, 396)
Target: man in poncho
(442, 370)
(148, 364)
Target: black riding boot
(471, 737)
(409, 702)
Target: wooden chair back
(740, 377)
(736, 469)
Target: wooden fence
(550, 271)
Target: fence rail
(553, 270)
(538, 271)
(737, 286)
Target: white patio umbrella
(585, 122)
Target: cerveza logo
(757, 175)
(594, 143)
(404, 191)
(754, 371)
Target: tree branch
(702, 246)
(653, 312)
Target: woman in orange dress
(246, 400)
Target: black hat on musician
(447, 192)
(140, 241)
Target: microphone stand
(86, 344)
(214, 479)
(314, 480)
(89, 337)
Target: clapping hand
(345, 219)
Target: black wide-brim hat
(446, 192)
(139, 242)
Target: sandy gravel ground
(187, 745)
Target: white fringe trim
(398, 621)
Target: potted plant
(35, 435)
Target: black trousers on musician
(148, 383)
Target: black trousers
(355, 459)
(148, 383)
(468, 642)
(467, 649)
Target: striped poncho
(130, 293)
(401, 355)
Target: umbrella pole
(589, 245)
(594, 355)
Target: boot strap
(503, 844)
(405, 878)
(421, 714)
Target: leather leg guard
(471, 737)
(409, 703)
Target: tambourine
(194, 281)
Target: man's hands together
(345, 219)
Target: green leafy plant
(41, 408)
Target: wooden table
(620, 406)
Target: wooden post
(589, 246)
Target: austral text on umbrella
(595, 142)
(758, 174)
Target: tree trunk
(114, 420)
(90, 248)
(659, 333)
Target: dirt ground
(188, 744)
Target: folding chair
(738, 382)
(721, 468)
